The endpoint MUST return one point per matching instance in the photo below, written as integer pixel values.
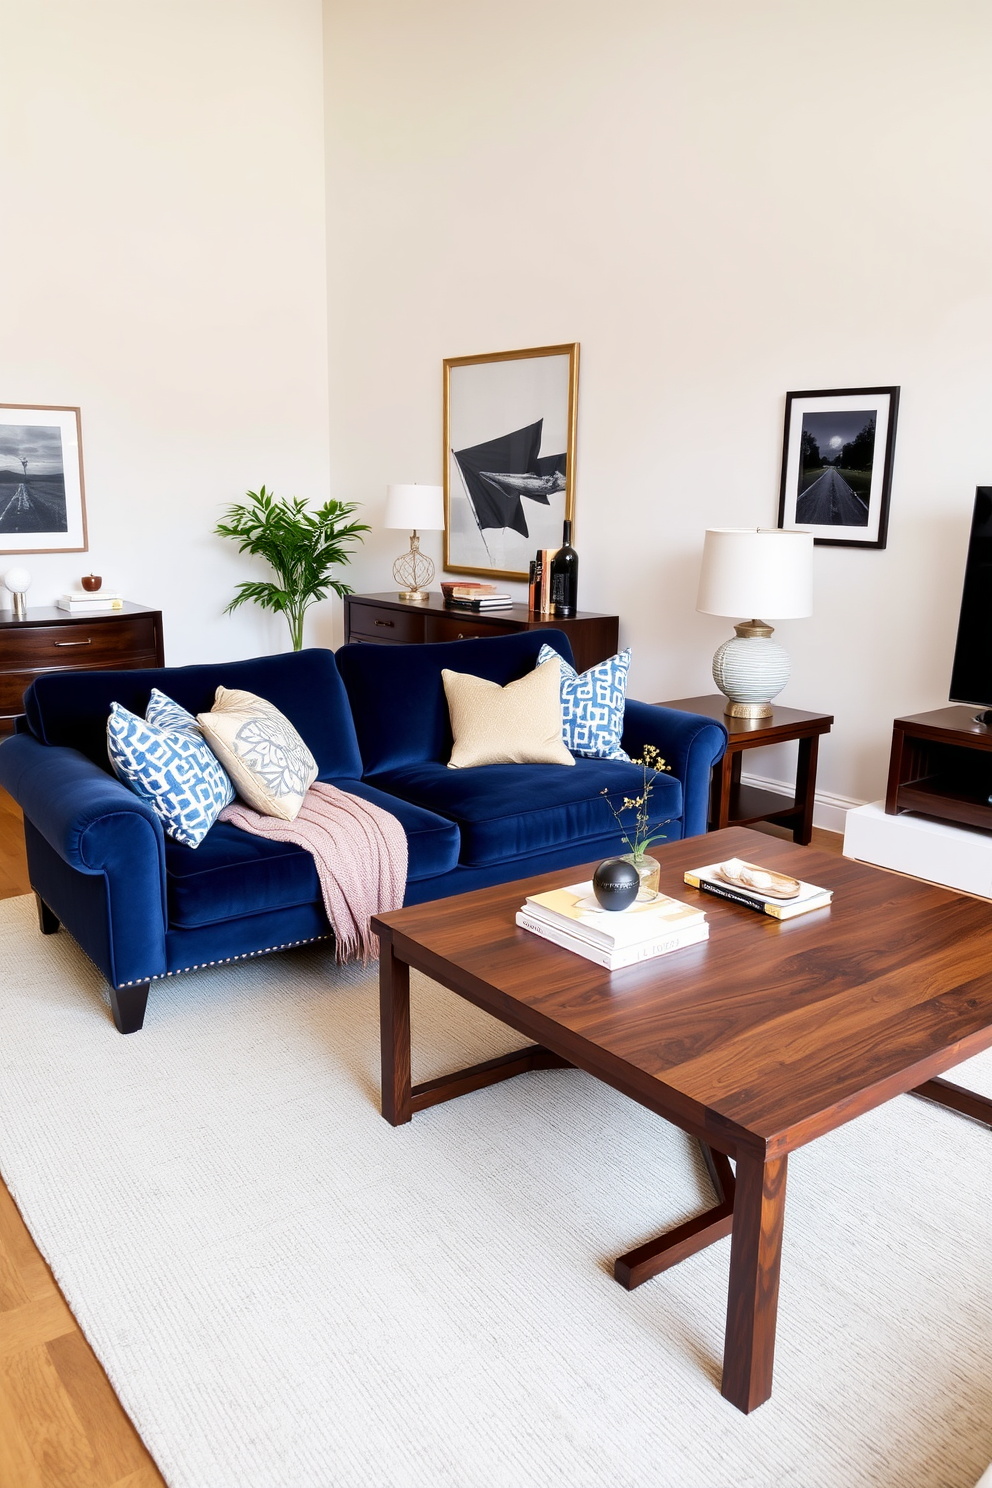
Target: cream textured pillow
(519, 724)
(270, 765)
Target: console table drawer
(458, 628)
(104, 641)
(371, 624)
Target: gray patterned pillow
(270, 765)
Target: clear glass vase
(648, 870)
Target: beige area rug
(287, 1293)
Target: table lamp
(17, 581)
(750, 571)
(411, 507)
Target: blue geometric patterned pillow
(592, 705)
(166, 761)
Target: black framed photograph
(42, 501)
(837, 464)
(509, 457)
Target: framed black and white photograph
(837, 464)
(509, 457)
(42, 505)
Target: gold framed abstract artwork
(509, 457)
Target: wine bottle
(565, 576)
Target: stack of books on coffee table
(651, 926)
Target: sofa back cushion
(72, 707)
(397, 696)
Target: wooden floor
(60, 1421)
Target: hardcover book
(712, 881)
(576, 911)
(615, 959)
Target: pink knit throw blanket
(360, 853)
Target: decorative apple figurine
(91, 583)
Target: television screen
(971, 679)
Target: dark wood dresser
(389, 621)
(51, 640)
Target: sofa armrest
(690, 743)
(97, 827)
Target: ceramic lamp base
(750, 670)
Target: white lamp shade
(756, 573)
(415, 508)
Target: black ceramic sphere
(615, 883)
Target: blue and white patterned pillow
(592, 705)
(165, 760)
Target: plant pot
(648, 869)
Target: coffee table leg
(752, 1303)
(394, 1034)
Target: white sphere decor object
(17, 580)
(751, 670)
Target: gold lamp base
(415, 570)
(748, 710)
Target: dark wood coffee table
(760, 1040)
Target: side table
(735, 805)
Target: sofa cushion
(233, 873)
(270, 765)
(516, 724)
(592, 705)
(170, 767)
(72, 707)
(506, 811)
(397, 698)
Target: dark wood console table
(49, 639)
(735, 805)
(941, 765)
(390, 621)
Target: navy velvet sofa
(143, 906)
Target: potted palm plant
(300, 545)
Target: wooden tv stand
(941, 766)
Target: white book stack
(650, 927)
(80, 602)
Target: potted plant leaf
(300, 545)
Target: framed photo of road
(837, 464)
(42, 505)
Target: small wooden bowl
(778, 885)
(91, 583)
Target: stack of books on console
(79, 602)
(572, 918)
(474, 597)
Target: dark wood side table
(941, 765)
(49, 639)
(387, 620)
(735, 805)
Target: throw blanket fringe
(361, 857)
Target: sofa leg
(48, 922)
(128, 1004)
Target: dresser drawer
(370, 623)
(13, 685)
(460, 628)
(108, 641)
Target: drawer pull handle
(88, 642)
(388, 623)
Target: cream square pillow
(519, 724)
(270, 765)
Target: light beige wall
(162, 266)
(720, 202)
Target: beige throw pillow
(270, 765)
(519, 724)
